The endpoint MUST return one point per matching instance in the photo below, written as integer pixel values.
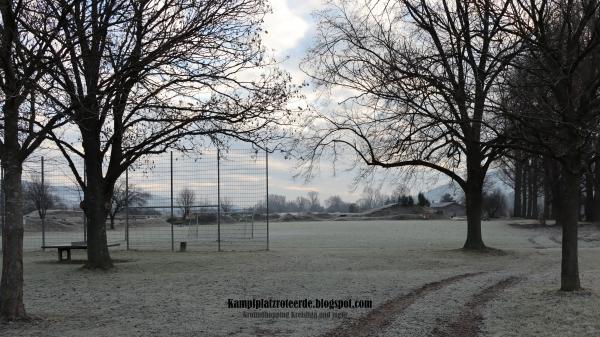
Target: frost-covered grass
(159, 293)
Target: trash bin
(182, 246)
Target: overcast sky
(290, 32)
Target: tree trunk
(524, 195)
(11, 286)
(474, 200)
(534, 189)
(11, 283)
(597, 191)
(98, 254)
(546, 210)
(556, 190)
(530, 196)
(589, 197)
(97, 207)
(547, 190)
(569, 216)
(517, 188)
(112, 221)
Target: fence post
(218, 200)
(84, 215)
(267, 198)
(2, 201)
(127, 207)
(43, 205)
(172, 214)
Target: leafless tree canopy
(226, 205)
(314, 202)
(39, 196)
(125, 196)
(138, 77)
(494, 203)
(555, 98)
(24, 124)
(421, 79)
(22, 69)
(422, 82)
(142, 75)
(556, 103)
(336, 204)
(186, 199)
(371, 198)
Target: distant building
(449, 209)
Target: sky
(290, 32)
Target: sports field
(419, 283)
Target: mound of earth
(387, 212)
(286, 217)
(396, 209)
(72, 220)
(56, 220)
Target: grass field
(420, 284)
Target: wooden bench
(73, 245)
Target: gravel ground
(159, 293)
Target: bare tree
(277, 203)
(336, 204)
(512, 171)
(313, 198)
(527, 174)
(39, 196)
(371, 198)
(302, 204)
(24, 125)
(494, 203)
(398, 192)
(556, 103)
(226, 205)
(186, 200)
(140, 77)
(420, 81)
(125, 196)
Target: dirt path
(465, 320)
(379, 318)
(469, 321)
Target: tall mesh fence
(243, 220)
(209, 200)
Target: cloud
(299, 188)
(285, 28)
(280, 165)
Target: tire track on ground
(469, 321)
(379, 318)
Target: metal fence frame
(128, 208)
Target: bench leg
(60, 254)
